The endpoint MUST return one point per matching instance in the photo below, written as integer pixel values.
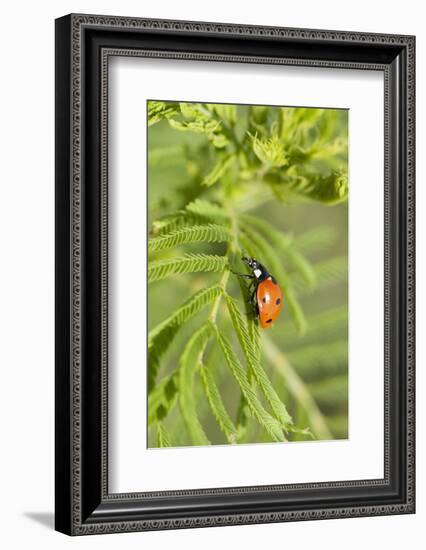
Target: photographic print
(207, 207)
(247, 274)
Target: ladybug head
(251, 262)
(257, 268)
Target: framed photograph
(234, 274)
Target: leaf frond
(195, 234)
(161, 336)
(316, 240)
(219, 170)
(189, 263)
(208, 210)
(188, 364)
(163, 436)
(217, 406)
(162, 399)
(283, 244)
(253, 362)
(159, 110)
(271, 425)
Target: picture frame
(84, 45)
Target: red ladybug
(267, 296)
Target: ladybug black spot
(278, 301)
(269, 321)
(264, 300)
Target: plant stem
(297, 387)
(215, 307)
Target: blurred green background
(284, 166)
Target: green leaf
(195, 234)
(224, 111)
(160, 337)
(271, 425)
(159, 110)
(173, 222)
(283, 244)
(162, 399)
(253, 362)
(189, 263)
(330, 189)
(163, 437)
(217, 406)
(219, 170)
(198, 212)
(270, 151)
(208, 210)
(243, 415)
(302, 431)
(200, 120)
(189, 362)
(316, 240)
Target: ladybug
(267, 296)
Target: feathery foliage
(195, 234)
(217, 406)
(189, 363)
(190, 263)
(256, 369)
(271, 425)
(163, 437)
(160, 337)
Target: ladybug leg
(245, 275)
(253, 302)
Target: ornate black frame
(83, 46)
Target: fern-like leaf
(217, 406)
(195, 234)
(189, 362)
(160, 337)
(271, 425)
(283, 245)
(220, 168)
(270, 151)
(159, 110)
(197, 212)
(316, 240)
(330, 189)
(189, 263)
(255, 366)
(207, 210)
(162, 399)
(163, 436)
